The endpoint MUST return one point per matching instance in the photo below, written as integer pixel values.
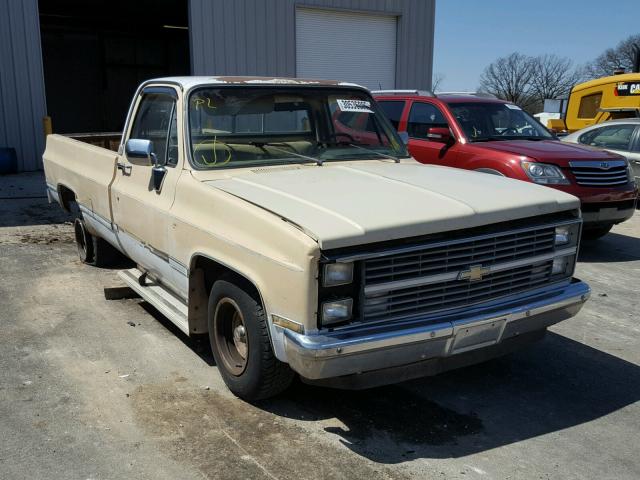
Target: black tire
(259, 374)
(596, 232)
(94, 250)
(84, 241)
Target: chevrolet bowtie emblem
(475, 273)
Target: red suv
(480, 132)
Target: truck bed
(85, 165)
(108, 140)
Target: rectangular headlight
(561, 265)
(337, 274)
(563, 235)
(336, 311)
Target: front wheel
(239, 337)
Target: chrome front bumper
(385, 346)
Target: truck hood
(362, 202)
(549, 151)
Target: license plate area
(470, 337)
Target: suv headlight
(544, 173)
(337, 274)
(336, 311)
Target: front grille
(433, 260)
(600, 174)
(422, 279)
(407, 302)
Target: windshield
(497, 121)
(242, 127)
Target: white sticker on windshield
(512, 107)
(354, 106)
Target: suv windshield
(242, 127)
(482, 122)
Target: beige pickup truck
(285, 219)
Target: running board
(164, 301)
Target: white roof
(194, 81)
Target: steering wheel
(509, 129)
(338, 134)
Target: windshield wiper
(318, 161)
(396, 159)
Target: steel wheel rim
(230, 335)
(81, 238)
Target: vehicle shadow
(613, 247)
(21, 212)
(556, 384)
(199, 344)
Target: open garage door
(353, 47)
(96, 52)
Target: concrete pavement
(83, 394)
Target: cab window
(153, 121)
(614, 137)
(589, 105)
(393, 110)
(422, 117)
(172, 147)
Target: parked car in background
(480, 132)
(286, 219)
(618, 136)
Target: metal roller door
(347, 46)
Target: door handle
(126, 169)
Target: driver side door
(422, 117)
(140, 211)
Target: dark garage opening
(96, 52)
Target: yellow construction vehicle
(599, 100)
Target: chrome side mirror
(136, 148)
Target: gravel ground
(97, 389)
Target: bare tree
(509, 78)
(438, 78)
(552, 77)
(528, 81)
(620, 57)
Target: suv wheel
(596, 232)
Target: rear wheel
(596, 232)
(84, 241)
(239, 337)
(93, 250)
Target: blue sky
(471, 34)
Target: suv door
(423, 116)
(634, 154)
(141, 213)
(393, 109)
(622, 138)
